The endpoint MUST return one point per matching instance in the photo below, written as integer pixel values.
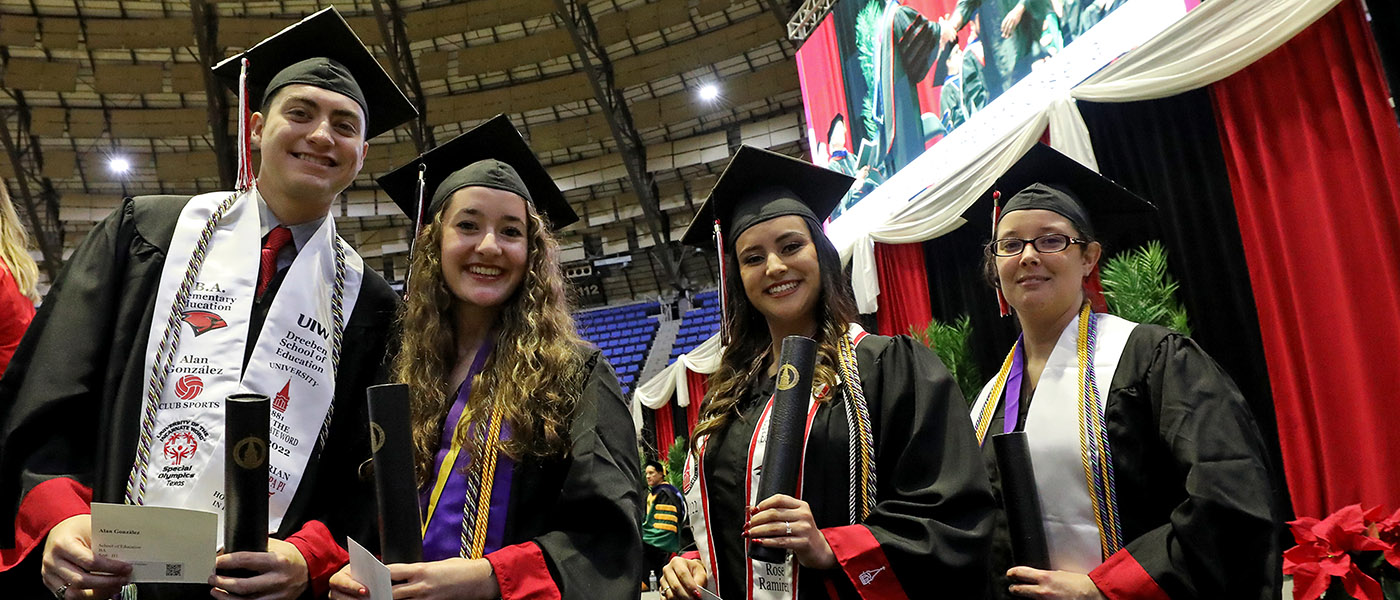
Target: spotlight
(119, 165)
(709, 92)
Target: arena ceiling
(605, 91)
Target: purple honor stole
(444, 501)
(1012, 416)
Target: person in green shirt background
(661, 535)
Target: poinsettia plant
(1353, 553)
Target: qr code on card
(174, 569)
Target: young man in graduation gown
(116, 393)
(661, 530)
(1148, 466)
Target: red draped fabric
(823, 96)
(1313, 154)
(665, 429)
(695, 384)
(903, 288)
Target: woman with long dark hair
(1149, 469)
(893, 501)
(524, 445)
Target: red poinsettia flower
(1387, 531)
(1322, 553)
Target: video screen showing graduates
(883, 80)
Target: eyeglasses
(1049, 243)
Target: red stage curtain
(903, 288)
(665, 430)
(1313, 154)
(695, 384)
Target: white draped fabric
(657, 391)
(1212, 42)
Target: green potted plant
(1138, 288)
(950, 343)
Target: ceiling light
(119, 165)
(709, 92)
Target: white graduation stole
(765, 581)
(293, 362)
(1052, 433)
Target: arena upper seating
(698, 324)
(624, 334)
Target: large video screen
(883, 80)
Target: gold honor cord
(846, 352)
(475, 546)
(1093, 440)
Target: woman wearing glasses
(1150, 471)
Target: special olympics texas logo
(188, 387)
(180, 446)
(203, 321)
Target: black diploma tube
(782, 458)
(395, 490)
(1021, 500)
(245, 475)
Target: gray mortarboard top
(1046, 179)
(759, 185)
(322, 51)
(493, 155)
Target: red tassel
(723, 295)
(1003, 308)
(996, 211)
(1093, 288)
(245, 133)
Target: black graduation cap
(759, 185)
(492, 155)
(322, 51)
(1046, 179)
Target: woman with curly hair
(893, 499)
(524, 446)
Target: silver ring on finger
(61, 591)
(789, 526)
(666, 591)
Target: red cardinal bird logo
(203, 321)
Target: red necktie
(276, 239)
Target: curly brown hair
(534, 373)
(750, 344)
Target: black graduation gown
(70, 403)
(933, 511)
(1192, 477)
(583, 510)
(1006, 60)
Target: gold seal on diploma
(250, 452)
(787, 377)
(376, 437)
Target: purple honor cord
(1012, 415)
